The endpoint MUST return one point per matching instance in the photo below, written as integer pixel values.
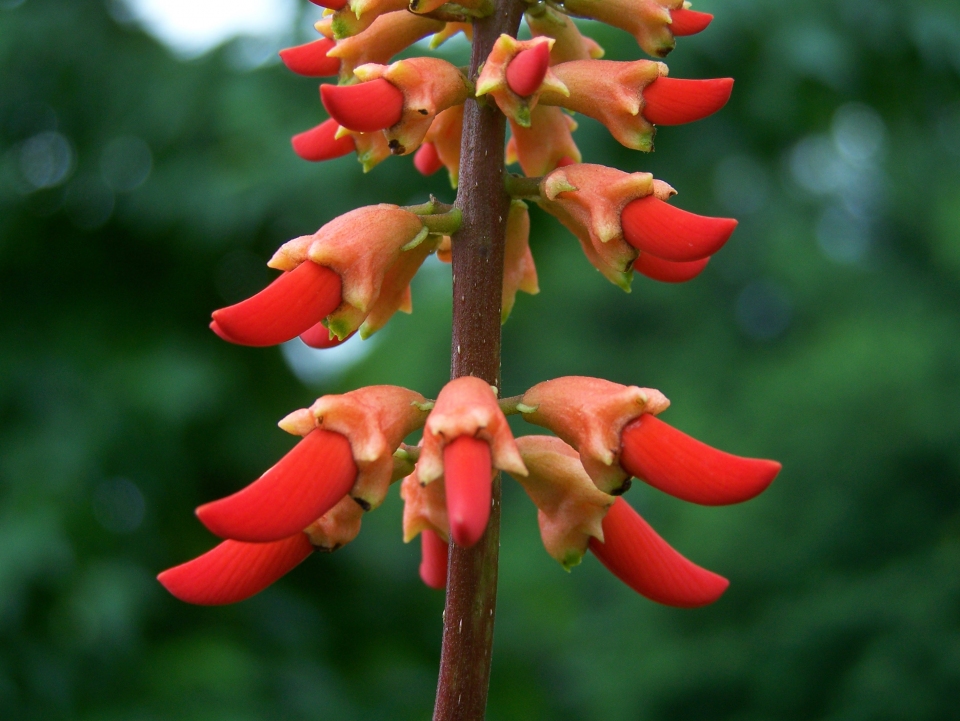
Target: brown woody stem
(477, 287)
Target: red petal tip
(311, 59)
(667, 272)
(527, 69)
(364, 107)
(433, 563)
(672, 461)
(331, 4)
(634, 553)
(672, 101)
(427, 160)
(219, 331)
(688, 22)
(234, 571)
(320, 143)
(565, 161)
(306, 483)
(319, 337)
(291, 304)
(466, 471)
(653, 226)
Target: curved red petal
(433, 563)
(311, 59)
(634, 553)
(527, 69)
(666, 271)
(688, 22)
(219, 331)
(427, 159)
(672, 101)
(684, 467)
(306, 483)
(467, 467)
(319, 337)
(653, 226)
(331, 4)
(364, 107)
(291, 304)
(321, 143)
(234, 571)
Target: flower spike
(364, 107)
(467, 470)
(652, 226)
(234, 570)
(311, 59)
(528, 68)
(684, 467)
(672, 101)
(684, 21)
(321, 143)
(287, 307)
(667, 272)
(634, 553)
(433, 566)
(306, 483)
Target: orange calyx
(427, 159)
(320, 143)
(653, 226)
(633, 552)
(527, 70)
(672, 461)
(433, 563)
(364, 107)
(688, 22)
(311, 59)
(234, 570)
(287, 307)
(672, 101)
(467, 468)
(302, 486)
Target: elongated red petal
(427, 160)
(219, 331)
(634, 553)
(666, 271)
(688, 22)
(466, 473)
(301, 487)
(686, 468)
(672, 101)
(311, 59)
(364, 107)
(320, 143)
(528, 69)
(319, 337)
(234, 571)
(653, 226)
(331, 4)
(433, 563)
(294, 302)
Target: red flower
(433, 566)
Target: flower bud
(337, 527)
(321, 143)
(548, 141)
(667, 272)
(688, 22)
(653, 226)
(364, 107)
(445, 134)
(569, 44)
(468, 478)
(424, 508)
(360, 14)
(647, 20)
(426, 160)
(234, 570)
(519, 271)
(590, 414)
(527, 69)
(672, 101)
(433, 566)
(570, 509)
(311, 59)
(388, 35)
(634, 553)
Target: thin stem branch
(477, 287)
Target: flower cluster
(354, 273)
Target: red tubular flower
(319, 336)
(467, 478)
(364, 107)
(311, 59)
(684, 467)
(528, 68)
(667, 272)
(330, 4)
(427, 160)
(688, 22)
(321, 142)
(291, 304)
(633, 552)
(301, 487)
(433, 563)
(672, 101)
(653, 226)
(234, 571)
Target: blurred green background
(138, 192)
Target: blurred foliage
(138, 192)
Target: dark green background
(826, 335)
